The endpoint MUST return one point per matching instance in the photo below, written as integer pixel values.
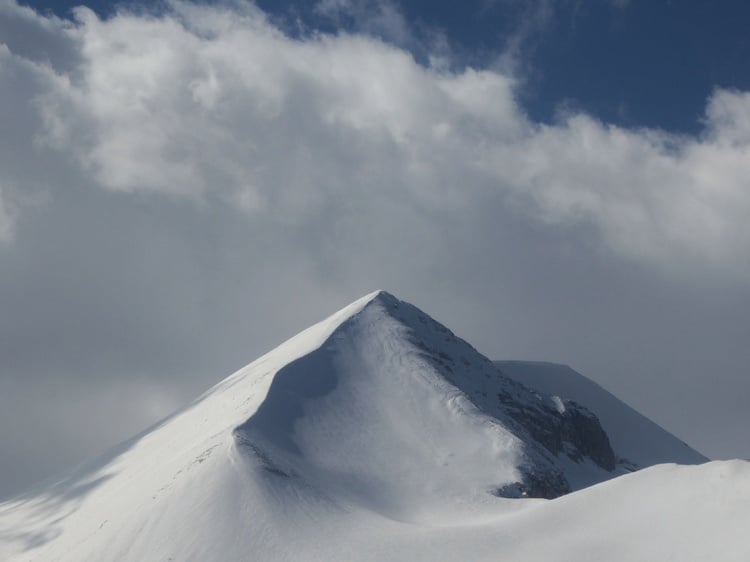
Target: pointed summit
(374, 417)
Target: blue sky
(635, 63)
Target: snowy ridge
(374, 435)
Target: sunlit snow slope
(377, 435)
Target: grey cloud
(44, 40)
(7, 217)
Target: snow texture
(379, 435)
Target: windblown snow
(378, 434)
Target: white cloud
(382, 18)
(212, 102)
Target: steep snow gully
(377, 434)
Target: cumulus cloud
(39, 39)
(217, 102)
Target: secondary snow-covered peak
(637, 441)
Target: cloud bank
(217, 103)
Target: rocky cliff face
(563, 427)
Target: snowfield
(379, 435)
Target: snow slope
(634, 437)
(374, 435)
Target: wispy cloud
(381, 18)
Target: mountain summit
(374, 434)
(394, 406)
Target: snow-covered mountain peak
(370, 416)
(377, 423)
(389, 382)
